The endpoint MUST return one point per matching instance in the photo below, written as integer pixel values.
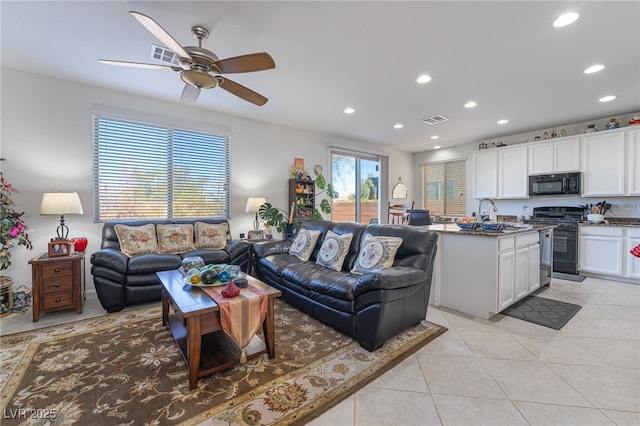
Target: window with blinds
(444, 187)
(144, 171)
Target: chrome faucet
(493, 205)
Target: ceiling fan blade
(189, 93)
(161, 34)
(135, 64)
(242, 92)
(246, 63)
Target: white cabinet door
(540, 158)
(633, 164)
(506, 290)
(485, 174)
(632, 262)
(603, 161)
(521, 277)
(513, 179)
(566, 155)
(601, 255)
(534, 267)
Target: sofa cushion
(174, 238)
(334, 250)
(305, 242)
(211, 235)
(135, 240)
(376, 252)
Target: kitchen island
(480, 272)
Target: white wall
(46, 139)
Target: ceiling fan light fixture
(199, 79)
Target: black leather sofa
(124, 281)
(370, 307)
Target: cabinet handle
(57, 284)
(57, 269)
(58, 300)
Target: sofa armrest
(237, 249)
(267, 248)
(111, 259)
(390, 279)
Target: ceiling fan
(200, 68)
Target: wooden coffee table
(193, 318)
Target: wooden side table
(57, 283)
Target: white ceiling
(330, 55)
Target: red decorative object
(79, 244)
(230, 290)
(635, 251)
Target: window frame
(178, 130)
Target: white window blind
(145, 171)
(444, 187)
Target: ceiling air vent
(163, 54)
(435, 119)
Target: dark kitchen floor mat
(568, 277)
(542, 311)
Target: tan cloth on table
(241, 316)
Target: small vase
(230, 290)
(6, 296)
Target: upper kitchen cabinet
(485, 174)
(603, 163)
(554, 156)
(501, 173)
(633, 161)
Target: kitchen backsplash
(620, 206)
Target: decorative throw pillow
(175, 238)
(376, 252)
(334, 249)
(303, 245)
(211, 235)
(136, 240)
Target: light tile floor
(501, 371)
(505, 371)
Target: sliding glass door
(356, 177)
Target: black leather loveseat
(123, 280)
(372, 306)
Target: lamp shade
(254, 203)
(60, 203)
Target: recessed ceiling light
(424, 78)
(398, 126)
(437, 147)
(566, 19)
(349, 110)
(594, 68)
(434, 137)
(470, 104)
(607, 98)
(503, 121)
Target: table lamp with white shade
(253, 205)
(61, 203)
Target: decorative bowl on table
(467, 225)
(491, 226)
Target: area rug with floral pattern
(126, 369)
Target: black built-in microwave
(555, 184)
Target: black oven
(555, 184)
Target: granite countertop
(633, 222)
(452, 228)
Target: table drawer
(58, 269)
(57, 301)
(57, 284)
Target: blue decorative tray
(467, 225)
(491, 226)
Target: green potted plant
(282, 220)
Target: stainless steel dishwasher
(546, 256)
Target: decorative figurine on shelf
(563, 132)
(545, 135)
(613, 124)
(635, 120)
(591, 127)
(482, 145)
